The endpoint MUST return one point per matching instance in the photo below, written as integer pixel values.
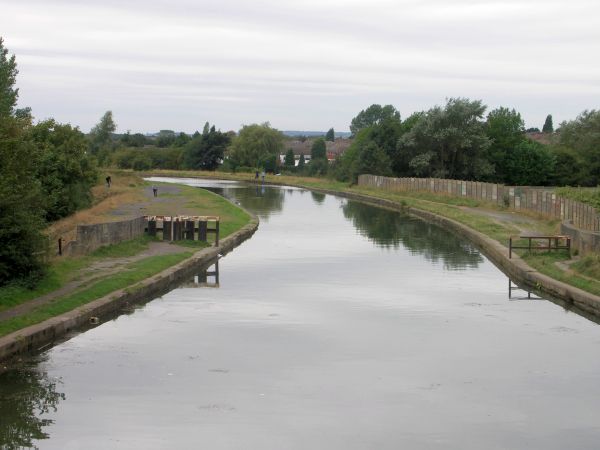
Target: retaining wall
(537, 200)
(584, 241)
(91, 237)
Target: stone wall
(91, 237)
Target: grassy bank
(477, 215)
(73, 281)
(132, 273)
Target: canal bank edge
(39, 336)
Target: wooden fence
(538, 200)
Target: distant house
(334, 149)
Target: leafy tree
(505, 129)
(548, 126)
(530, 164)
(8, 78)
(373, 160)
(289, 160)
(570, 168)
(318, 149)
(100, 139)
(165, 138)
(206, 129)
(133, 140)
(64, 169)
(21, 202)
(330, 136)
(255, 144)
(533, 130)
(317, 167)
(206, 151)
(181, 140)
(456, 138)
(373, 115)
(583, 136)
(301, 162)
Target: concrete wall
(584, 241)
(537, 200)
(91, 237)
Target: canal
(336, 326)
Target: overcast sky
(303, 65)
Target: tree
(505, 129)
(364, 156)
(8, 78)
(21, 202)
(289, 160)
(330, 136)
(456, 137)
(301, 162)
(64, 170)
(583, 136)
(318, 149)
(255, 145)
(165, 138)
(530, 164)
(548, 127)
(373, 115)
(569, 168)
(206, 151)
(181, 140)
(100, 139)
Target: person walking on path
(108, 181)
(256, 176)
(263, 176)
(155, 190)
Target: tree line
(459, 140)
(45, 174)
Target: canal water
(336, 326)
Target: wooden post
(217, 233)
(510, 247)
(202, 227)
(177, 230)
(189, 230)
(166, 230)
(152, 227)
(60, 246)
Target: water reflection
(317, 197)
(26, 395)
(391, 229)
(208, 277)
(262, 200)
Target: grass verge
(132, 274)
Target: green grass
(62, 271)
(545, 262)
(133, 273)
(56, 276)
(192, 244)
(124, 249)
(590, 196)
(588, 266)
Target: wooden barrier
(175, 228)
